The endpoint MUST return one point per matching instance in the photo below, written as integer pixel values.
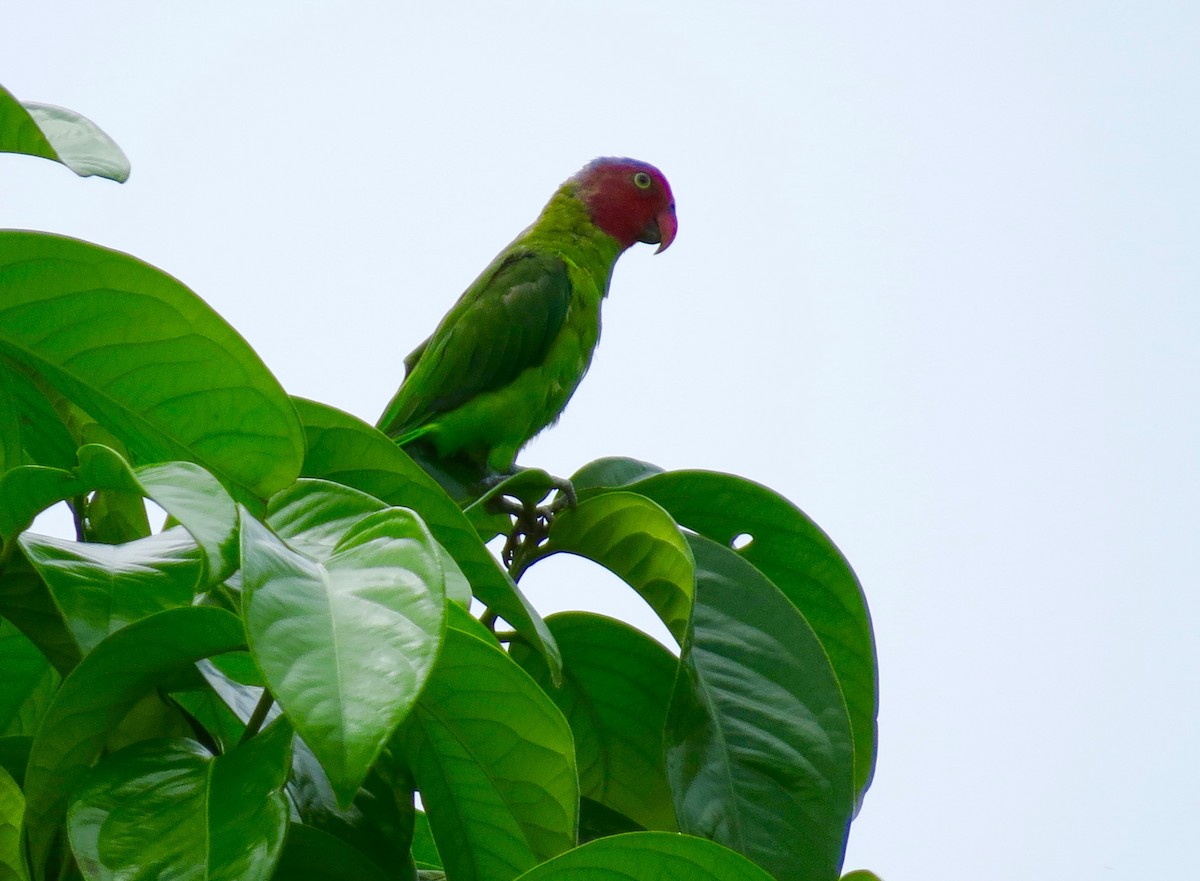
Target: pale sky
(937, 280)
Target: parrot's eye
(641, 180)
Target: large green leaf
(759, 749)
(12, 446)
(313, 855)
(636, 540)
(147, 358)
(27, 685)
(101, 588)
(786, 546)
(347, 450)
(494, 761)
(184, 490)
(43, 436)
(25, 600)
(345, 640)
(169, 809)
(648, 856)
(100, 692)
(62, 135)
(616, 686)
(12, 809)
(377, 824)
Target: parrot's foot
(532, 522)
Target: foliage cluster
(260, 687)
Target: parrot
(505, 360)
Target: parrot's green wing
(504, 324)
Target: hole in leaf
(741, 541)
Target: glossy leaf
(377, 824)
(611, 472)
(860, 875)
(102, 588)
(648, 856)
(61, 135)
(14, 756)
(759, 749)
(424, 849)
(617, 683)
(345, 643)
(344, 449)
(28, 683)
(100, 692)
(147, 358)
(169, 809)
(25, 600)
(494, 761)
(27, 490)
(313, 855)
(776, 537)
(44, 438)
(12, 447)
(638, 542)
(12, 810)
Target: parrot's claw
(531, 523)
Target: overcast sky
(937, 280)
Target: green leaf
(100, 692)
(638, 542)
(61, 135)
(860, 875)
(377, 824)
(424, 849)
(611, 472)
(759, 749)
(28, 684)
(617, 683)
(346, 450)
(494, 761)
(313, 855)
(169, 809)
(776, 537)
(12, 452)
(347, 641)
(102, 588)
(12, 809)
(25, 600)
(27, 490)
(185, 491)
(648, 856)
(44, 437)
(147, 358)
(14, 756)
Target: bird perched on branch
(509, 354)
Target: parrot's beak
(668, 225)
(661, 230)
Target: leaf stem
(255, 722)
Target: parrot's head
(629, 200)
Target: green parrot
(509, 354)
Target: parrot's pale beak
(668, 225)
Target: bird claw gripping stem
(531, 524)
